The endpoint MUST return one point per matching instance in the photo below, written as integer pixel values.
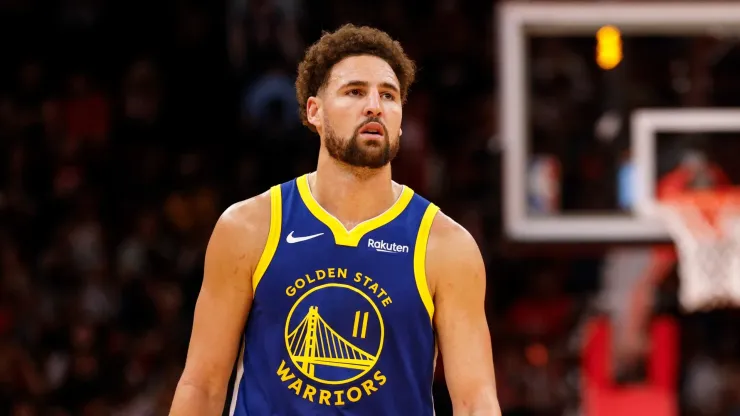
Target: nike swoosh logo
(290, 239)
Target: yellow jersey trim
(420, 258)
(342, 236)
(273, 237)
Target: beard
(371, 155)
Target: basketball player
(331, 291)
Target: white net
(708, 251)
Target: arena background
(127, 127)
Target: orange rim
(707, 202)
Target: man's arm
(223, 304)
(457, 277)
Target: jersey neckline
(342, 236)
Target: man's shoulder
(245, 225)
(447, 235)
(254, 211)
(451, 249)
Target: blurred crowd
(127, 127)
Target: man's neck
(350, 194)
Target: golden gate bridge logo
(314, 343)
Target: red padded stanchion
(657, 397)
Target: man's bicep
(460, 321)
(222, 307)
(214, 341)
(464, 336)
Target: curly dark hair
(349, 40)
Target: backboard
(517, 23)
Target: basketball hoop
(705, 226)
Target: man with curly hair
(332, 291)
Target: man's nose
(373, 107)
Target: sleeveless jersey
(341, 321)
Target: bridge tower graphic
(313, 342)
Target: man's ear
(314, 112)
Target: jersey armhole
(420, 257)
(273, 237)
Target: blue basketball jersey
(341, 321)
